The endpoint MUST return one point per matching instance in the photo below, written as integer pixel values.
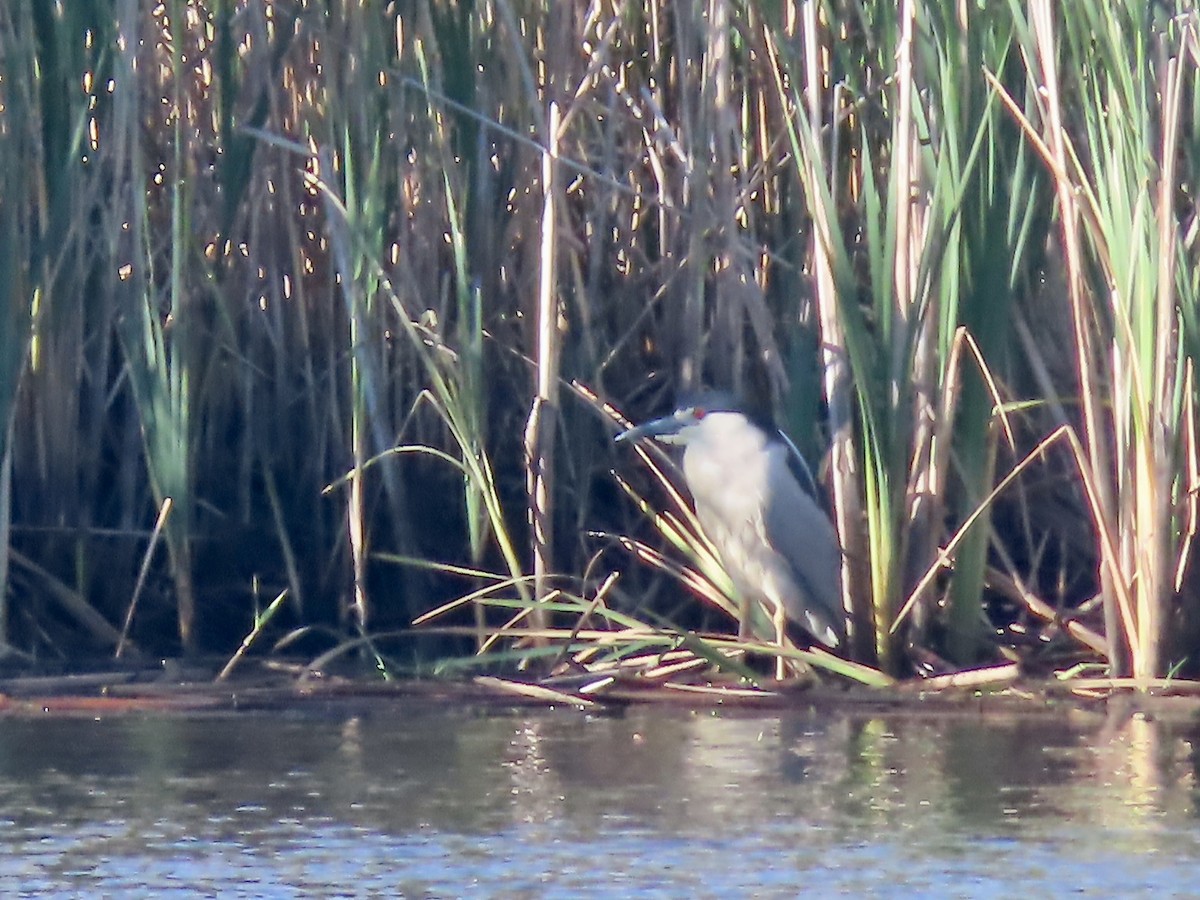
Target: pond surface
(662, 803)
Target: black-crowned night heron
(755, 500)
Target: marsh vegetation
(318, 316)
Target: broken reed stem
(159, 523)
(260, 622)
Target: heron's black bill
(667, 425)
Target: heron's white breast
(728, 468)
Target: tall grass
(911, 258)
(1122, 165)
(254, 250)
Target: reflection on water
(455, 802)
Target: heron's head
(685, 424)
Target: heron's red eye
(699, 412)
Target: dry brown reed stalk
(1063, 434)
(1014, 586)
(990, 678)
(163, 512)
(867, 621)
(1042, 18)
(542, 426)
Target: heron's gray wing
(799, 531)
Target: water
(659, 803)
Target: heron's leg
(744, 630)
(780, 621)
